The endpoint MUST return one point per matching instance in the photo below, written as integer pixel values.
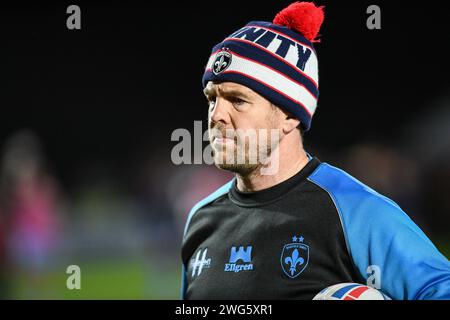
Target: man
(288, 225)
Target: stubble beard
(242, 156)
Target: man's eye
(237, 101)
(211, 101)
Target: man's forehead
(227, 87)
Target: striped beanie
(276, 60)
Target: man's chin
(242, 169)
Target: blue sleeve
(183, 283)
(380, 235)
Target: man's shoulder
(366, 215)
(349, 194)
(207, 200)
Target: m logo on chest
(199, 262)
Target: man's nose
(219, 112)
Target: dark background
(104, 100)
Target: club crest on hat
(222, 61)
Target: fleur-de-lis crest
(293, 260)
(220, 63)
(294, 257)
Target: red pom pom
(303, 17)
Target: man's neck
(289, 165)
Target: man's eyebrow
(209, 92)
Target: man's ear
(290, 123)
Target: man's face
(243, 126)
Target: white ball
(350, 291)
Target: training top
(318, 228)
